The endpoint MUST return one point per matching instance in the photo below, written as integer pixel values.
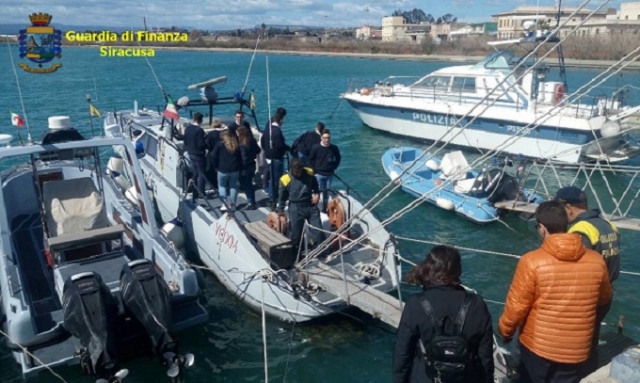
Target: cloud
(231, 14)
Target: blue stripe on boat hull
(506, 128)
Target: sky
(232, 14)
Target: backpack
(447, 354)
(295, 147)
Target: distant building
(629, 11)
(395, 28)
(625, 21)
(367, 32)
(510, 22)
(489, 28)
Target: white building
(629, 11)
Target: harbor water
(347, 347)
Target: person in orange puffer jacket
(553, 299)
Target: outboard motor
(147, 297)
(500, 186)
(89, 314)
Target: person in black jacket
(211, 140)
(275, 148)
(302, 145)
(249, 151)
(238, 122)
(300, 187)
(439, 275)
(325, 159)
(195, 148)
(228, 162)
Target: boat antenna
(153, 72)
(24, 112)
(253, 56)
(562, 69)
(272, 185)
(91, 108)
(95, 88)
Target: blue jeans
(277, 169)
(246, 181)
(324, 183)
(228, 181)
(304, 158)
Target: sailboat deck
(356, 293)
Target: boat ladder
(356, 293)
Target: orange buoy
(558, 94)
(277, 222)
(336, 212)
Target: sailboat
(249, 251)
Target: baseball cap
(569, 194)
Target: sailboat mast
(561, 65)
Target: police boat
(508, 102)
(250, 251)
(86, 275)
(450, 184)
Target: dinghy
(450, 184)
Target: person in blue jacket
(249, 151)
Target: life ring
(558, 94)
(336, 213)
(277, 222)
(365, 91)
(339, 239)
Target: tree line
(416, 16)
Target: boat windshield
(503, 61)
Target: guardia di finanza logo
(40, 43)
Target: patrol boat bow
(86, 276)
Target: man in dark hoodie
(238, 122)
(195, 147)
(325, 159)
(274, 148)
(302, 145)
(301, 189)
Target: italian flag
(16, 120)
(171, 112)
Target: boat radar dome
(59, 122)
(5, 139)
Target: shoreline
(571, 63)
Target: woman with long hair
(434, 312)
(249, 151)
(227, 160)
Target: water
(338, 348)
